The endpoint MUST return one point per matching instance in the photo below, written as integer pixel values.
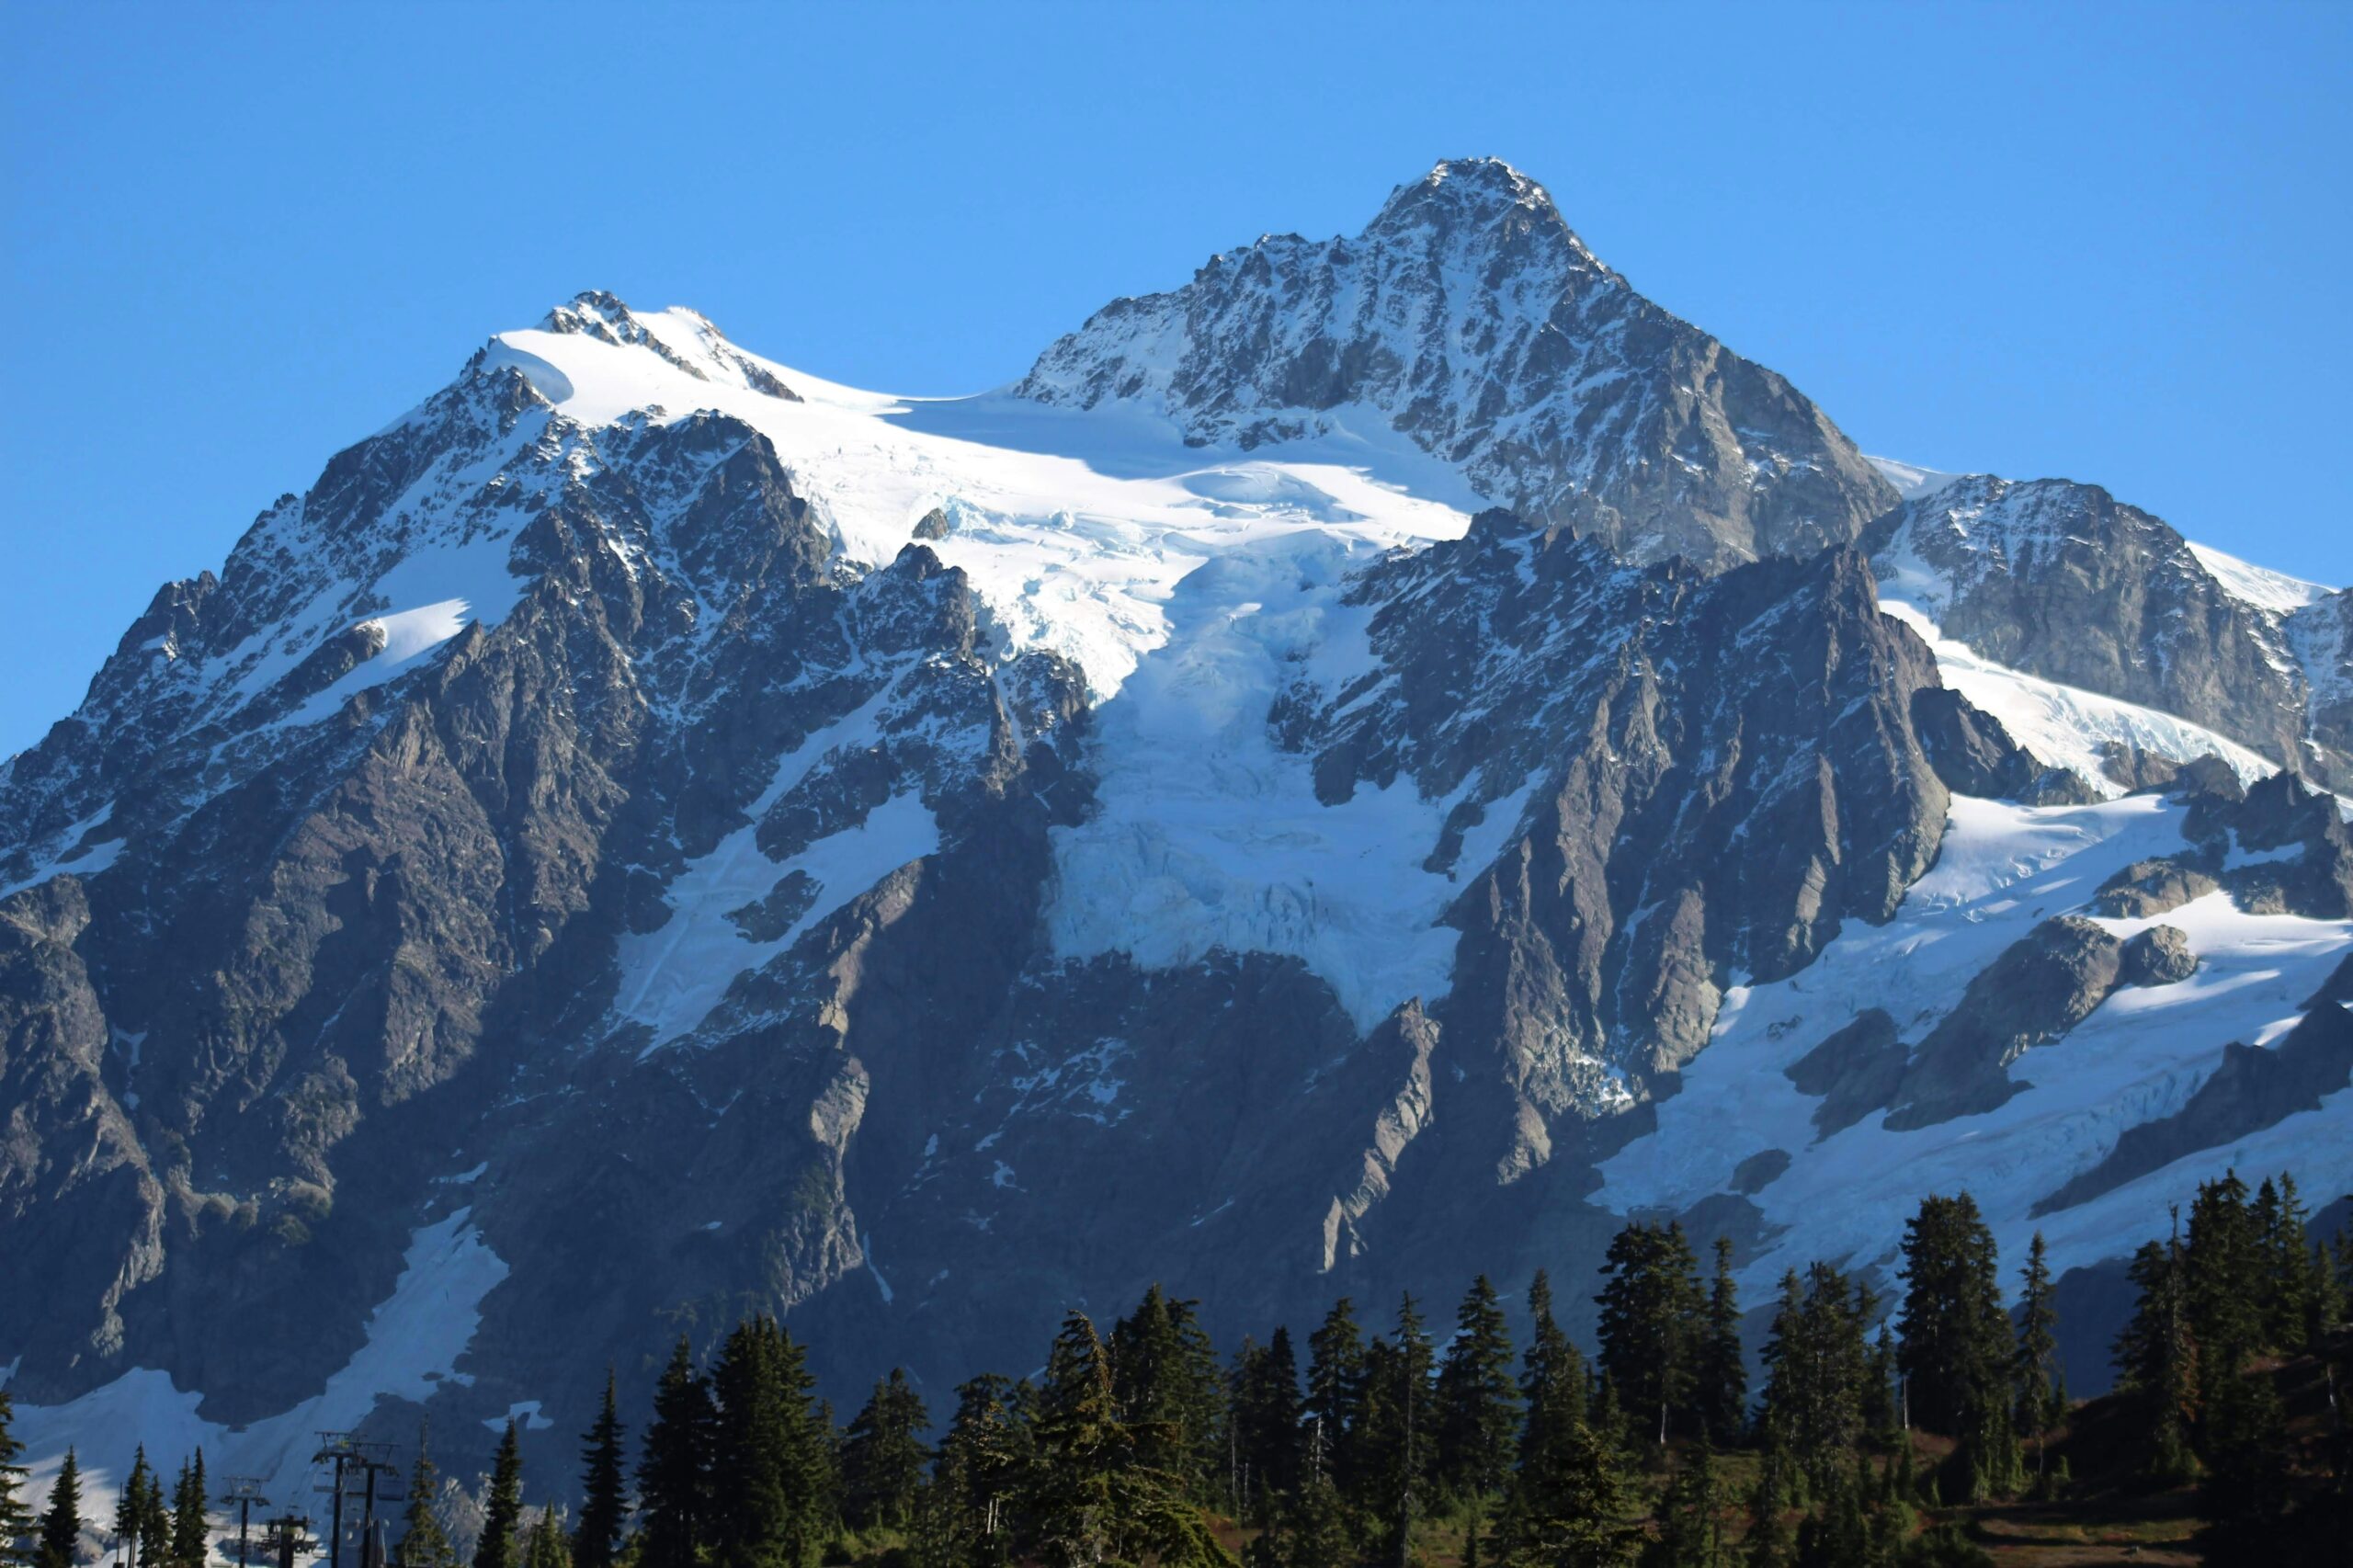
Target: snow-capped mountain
(1470, 317)
(1364, 769)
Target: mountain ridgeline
(1379, 763)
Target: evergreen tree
(1477, 1413)
(1881, 1408)
(2245, 1493)
(1394, 1443)
(131, 1504)
(2221, 1257)
(1957, 1352)
(1651, 1321)
(61, 1524)
(423, 1543)
(1268, 1437)
(983, 1467)
(1335, 1388)
(1818, 1368)
(1770, 1542)
(673, 1473)
(1552, 1389)
(1722, 1371)
(604, 1500)
(883, 1463)
(15, 1514)
(544, 1545)
(503, 1512)
(1093, 1504)
(2157, 1358)
(1691, 1532)
(1165, 1381)
(2038, 1342)
(191, 1526)
(771, 1470)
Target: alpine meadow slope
(1367, 767)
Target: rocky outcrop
(2158, 956)
(2063, 581)
(2031, 996)
(2147, 888)
(1974, 755)
(1856, 1070)
(1470, 317)
(2254, 1088)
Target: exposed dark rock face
(2031, 996)
(2158, 956)
(1974, 755)
(2063, 580)
(1722, 769)
(2153, 887)
(1856, 1071)
(2253, 1089)
(1470, 318)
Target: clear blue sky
(2107, 241)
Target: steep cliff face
(1469, 316)
(649, 835)
(2061, 581)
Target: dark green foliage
(15, 1513)
(1652, 1324)
(984, 1467)
(1692, 1526)
(2157, 1358)
(1722, 1371)
(129, 1503)
(1267, 1437)
(423, 1543)
(771, 1474)
(2038, 1402)
(61, 1523)
(544, 1544)
(673, 1473)
(2223, 1254)
(2244, 1494)
(1570, 1495)
(884, 1460)
(1170, 1394)
(604, 1502)
(1336, 1381)
(191, 1528)
(1957, 1352)
(503, 1512)
(1478, 1404)
(1818, 1368)
(1093, 1501)
(1395, 1438)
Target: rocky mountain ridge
(650, 834)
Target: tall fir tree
(1267, 1435)
(191, 1523)
(2157, 1359)
(1722, 1370)
(2037, 1405)
(544, 1543)
(882, 1462)
(1957, 1352)
(61, 1521)
(674, 1472)
(771, 1472)
(1569, 1492)
(16, 1522)
(1336, 1391)
(423, 1543)
(1165, 1378)
(983, 1471)
(1818, 1368)
(604, 1496)
(1691, 1515)
(1651, 1321)
(502, 1514)
(1478, 1402)
(130, 1506)
(2246, 1490)
(2222, 1255)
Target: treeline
(1873, 1416)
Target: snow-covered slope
(744, 822)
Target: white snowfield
(2140, 1056)
(1190, 585)
(415, 1338)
